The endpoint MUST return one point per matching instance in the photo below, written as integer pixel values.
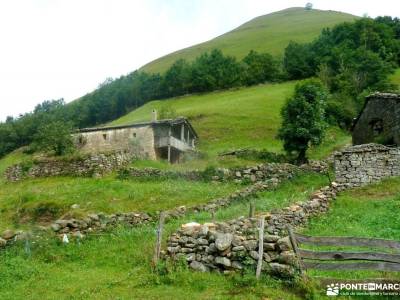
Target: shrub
(303, 122)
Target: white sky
(51, 49)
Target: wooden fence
(345, 260)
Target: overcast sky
(51, 49)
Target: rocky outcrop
(364, 164)
(90, 165)
(231, 246)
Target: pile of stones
(9, 236)
(230, 246)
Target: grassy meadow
(269, 33)
(238, 118)
(116, 264)
(371, 212)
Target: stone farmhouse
(159, 139)
(379, 120)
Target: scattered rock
(8, 234)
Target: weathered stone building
(158, 139)
(379, 121)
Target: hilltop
(268, 33)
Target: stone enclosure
(363, 164)
(231, 246)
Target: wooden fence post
(213, 216)
(260, 247)
(157, 250)
(293, 242)
(252, 210)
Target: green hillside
(269, 33)
(239, 118)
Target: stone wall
(363, 164)
(231, 246)
(99, 221)
(90, 165)
(256, 173)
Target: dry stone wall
(363, 164)
(90, 165)
(231, 246)
(256, 173)
(95, 222)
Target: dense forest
(351, 59)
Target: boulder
(8, 234)
(190, 228)
(269, 246)
(281, 270)
(202, 242)
(250, 244)
(237, 265)
(254, 255)
(287, 258)
(223, 261)
(269, 238)
(223, 241)
(238, 248)
(198, 266)
(55, 227)
(284, 244)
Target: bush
(54, 137)
(303, 119)
(264, 155)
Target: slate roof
(170, 122)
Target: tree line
(351, 59)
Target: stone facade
(163, 139)
(379, 121)
(363, 164)
(138, 139)
(88, 165)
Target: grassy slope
(269, 33)
(40, 200)
(395, 78)
(117, 265)
(370, 211)
(246, 117)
